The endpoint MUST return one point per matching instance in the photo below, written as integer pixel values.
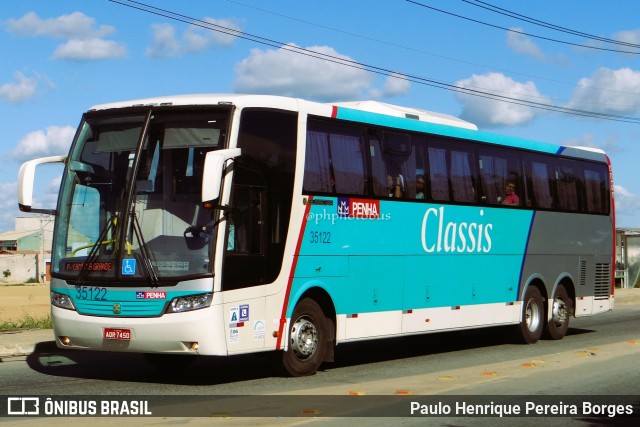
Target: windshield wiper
(95, 249)
(144, 252)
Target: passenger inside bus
(510, 197)
(419, 187)
(395, 186)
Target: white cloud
(90, 49)
(609, 145)
(627, 205)
(85, 40)
(8, 206)
(486, 112)
(283, 72)
(629, 36)
(21, 90)
(54, 140)
(166, 43)
(608, 91)
(395, 84)
(72, 26)
(523, 44)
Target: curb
(22, 342)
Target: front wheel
(308, 339)
(561, 310)
(530, 328)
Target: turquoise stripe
(414, 255)
(444, 130)
(130, 306)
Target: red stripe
(334, 112)
(615, 235)
(294, 263)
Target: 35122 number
(93, 293)
(323, 237)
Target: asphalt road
(599, 357)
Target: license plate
(117, 334)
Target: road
(599, 357)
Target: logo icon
(128, 266)
(23, 406)
(117, 308)
(343, 206)
(244, 313)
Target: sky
(59, 58)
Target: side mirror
(26, 179)
(214, 164)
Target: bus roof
(407, 113)
(373, 112)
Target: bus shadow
(215, 370)
(132, 367)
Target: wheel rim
(533, 317)
(304, 338)
(560, 312)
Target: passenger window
(438, 174)
(462, 182)
(567, 185)
(540, 184)
(501, 178)
(393, 165)
(596, 185)
(334, 159)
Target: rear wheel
(308, 339)
(530, 328)
(561, 310)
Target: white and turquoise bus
(230, 224)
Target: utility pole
(42, 265)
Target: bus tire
(561, 310)
(308, 339)
(530, 328)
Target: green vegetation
(28, 322)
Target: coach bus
(230, 224)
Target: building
(26, 251)
(628, 257)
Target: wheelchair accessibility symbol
(128, 267)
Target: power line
(417, 3)
(367, 67)
(411, 49)
(502, 11)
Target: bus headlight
(188, 303)
(62, 301)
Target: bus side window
(540, 184)
(596, 185)
(567, 178)
(462, 176)
(501, 178)
(438, 174)
(334, 161)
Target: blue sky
(61, 57)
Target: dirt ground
(17, 301)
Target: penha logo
(358, 208)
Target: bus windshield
(130, 205)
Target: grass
(28, 322)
